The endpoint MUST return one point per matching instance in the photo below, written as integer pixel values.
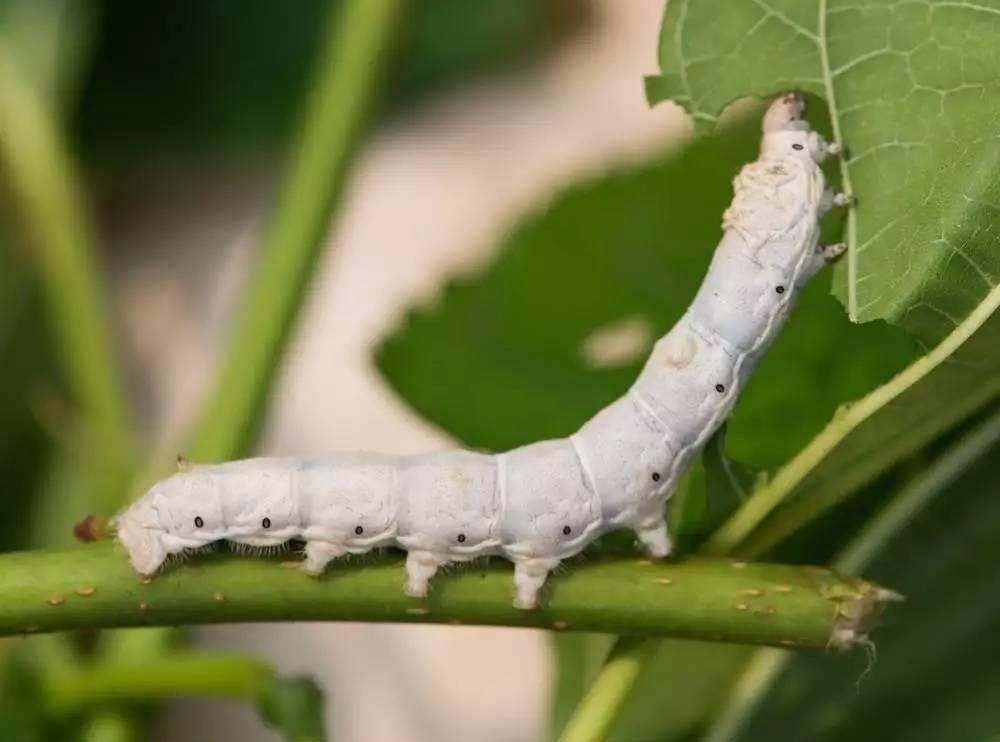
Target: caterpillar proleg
(541, 503)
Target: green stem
(44, 183)
(292, 706)
(603, 701)
(772, 604)
(173, 676)
(347, 75)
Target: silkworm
(541, 503)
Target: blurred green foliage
(502, 358)
(224, 76)
(127, 81)
(295, 706)
(26, 391)
(935, 675)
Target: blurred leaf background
(904, 491)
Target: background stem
(342, 96)
(43, 180)
(604, 699)
(173, 676)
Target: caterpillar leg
(832, 198)
(825, 254)
(420, 567)
(831, 252)
(319, 554)
(529, 576)
(655, 539)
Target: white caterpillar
(544, 502)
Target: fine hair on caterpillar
(542, 503)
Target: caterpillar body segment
(541, 503)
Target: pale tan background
(431, 195)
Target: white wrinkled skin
(541, 503)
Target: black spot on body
(798, 147)
(780, 289)
(461, 538)
(359, 530)
(720, 388)
(656, 476)
(198, 522)
(567, 530)
(266, 522)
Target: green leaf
(936, 675)
(913, 90)
(725, 485)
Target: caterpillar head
(787, 133)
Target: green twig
(173, 676)
(346, 84)
(43, 181)
(293, 706)
(711, 599)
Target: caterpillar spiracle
(541, 503)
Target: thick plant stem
(772, 604)
(345, 87)
(602, 703)
(44, 185)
